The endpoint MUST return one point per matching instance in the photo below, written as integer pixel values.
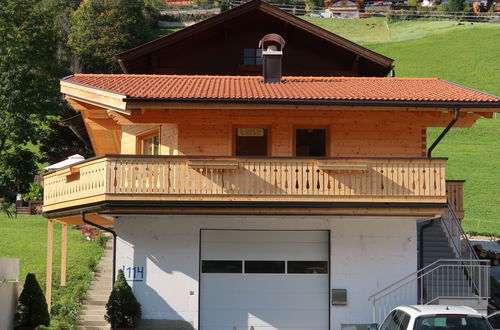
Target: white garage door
(256, 280)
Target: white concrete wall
(9, 275)
(367, 254)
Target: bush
(102, 240)
(32, 308)
(35, 193)
(122, 309)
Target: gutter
(444, 132)
(326, 102)
(114, 240)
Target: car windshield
(451, 322)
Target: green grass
(25, 237)
(466, 57)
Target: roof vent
(272, 52)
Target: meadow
(25, 237)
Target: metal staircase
(451, 272)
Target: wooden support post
(50, 244)
(64, 252)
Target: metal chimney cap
(272, 37)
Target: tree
(455, 6)
(103, 28)
(122, 309)
(18, 167)
(60, 142)
(29, 85)
(32, 309)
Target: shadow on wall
(164, 325)
(150, 276)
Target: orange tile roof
(248, 88)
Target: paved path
(93, 309)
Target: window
(251, 141)
(451, 322)
(149, 144)
(252, 56)
(264, 267)
(307, 267)
(222, 266)
(310, 142)
(392, 321)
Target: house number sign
(133, 274)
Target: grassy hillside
(467, 54)
(25, 237)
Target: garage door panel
(264, 251)
(265, 301)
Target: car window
(405, 319)
(451, 322)
(390, 322)
(495, 321)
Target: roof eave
(346, 102)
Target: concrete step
(91, 318)
(104, 292)
(91, 308)
(86, 313)
(102, 323)
(97, 297)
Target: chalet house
(300, 197)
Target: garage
(252, 279)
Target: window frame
(327, 137)
(234, 133)
(144, 136)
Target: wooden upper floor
(279, 152)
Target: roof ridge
(207, 76)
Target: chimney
(272, 52)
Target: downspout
(114, 241)
(444, 132)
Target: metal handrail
(457, 224)
(415, 275)
(439, 267)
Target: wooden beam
(77, 219)
(98, 97)
(64, 253)
(50, 245)
(80, 105)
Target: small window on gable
(252, 56)
(149, 144)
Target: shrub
(102, 240)
(32, 308)
(122, 309)
(35, 193)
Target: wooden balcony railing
(455, 196)
(183, 178)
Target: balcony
(191, 178)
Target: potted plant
(122, 310)
(35, 198)
(32, 308)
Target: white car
(494, 320)
(434, 317)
